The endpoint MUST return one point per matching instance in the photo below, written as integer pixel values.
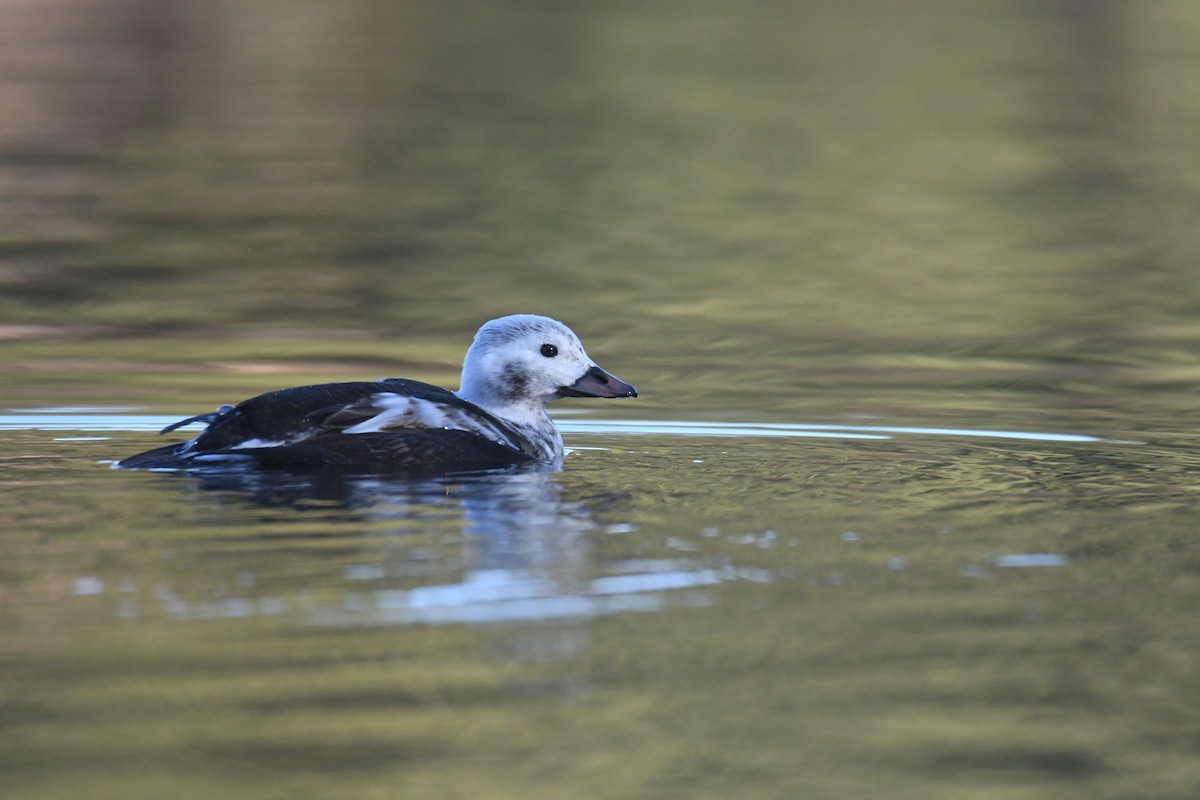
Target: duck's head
(527, 360)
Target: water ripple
(71, 420)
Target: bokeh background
(709, 180)
(966, 228)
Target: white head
(519, 363)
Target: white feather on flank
(397, 412)
(250, 443)
(219, 458)
(394, 411)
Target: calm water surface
(906, 508)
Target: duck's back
(395, 424)
(284, 415)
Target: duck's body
(497, 418)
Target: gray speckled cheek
(513, 383)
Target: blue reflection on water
(71, 419)
(43, 419)
(796, 429)
(500, 595)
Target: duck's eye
(549, 350)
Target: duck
(497, 418)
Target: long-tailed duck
(497, 418)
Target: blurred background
(963, 231)
(708, 185)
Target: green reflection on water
(932, 215)
(897, 659)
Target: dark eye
(549, 350)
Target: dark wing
(166, 457)
(207, 419)
(289, 414)
(394, 424)
(417, 452)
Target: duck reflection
(513, 518)
(524, 553)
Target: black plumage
(303, 426)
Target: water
(906, 507)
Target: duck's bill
(598, 383)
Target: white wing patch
(397, 412)
(257, 443)
(219, 458)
